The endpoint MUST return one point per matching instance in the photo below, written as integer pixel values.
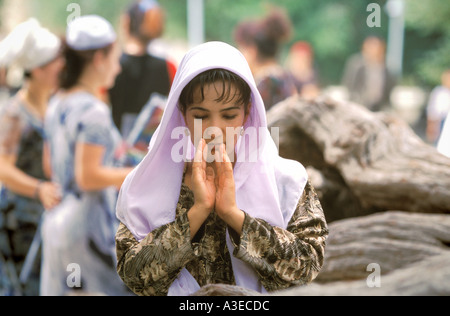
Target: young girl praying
(255, 223)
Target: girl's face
(109, 66)
(216, 117)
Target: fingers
(50, 195)
(198, 158)
(199, 165)
(210, 174)
(226, 158)
(223, 162)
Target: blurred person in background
(260, 42)
(366, 76)
(142, 73)
(81, 144)
(3, 83)
(443, 145)
(301, 64)
(26, 190)
(438, 108)
(4, 88)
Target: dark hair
(227, 79)
(27, 74)
(137, 17)
(76, 62)
(138, 20)
(266, 34)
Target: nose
(215, 132)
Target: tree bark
(365, 162)
(411, 252)
(392, 240)
(430, 277)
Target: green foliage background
(335, 28)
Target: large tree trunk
(392, 240)
(430, 277)
(411, 251)
(362, 162)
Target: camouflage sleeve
(150, 267)
(291, 257)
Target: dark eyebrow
(197, 108)
(231, 108)
(205, 110)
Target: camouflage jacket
(281, 258)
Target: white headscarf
(29, 46)
(268, 188)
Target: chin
(108, 85)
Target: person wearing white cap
(26, 188)
(83, 141)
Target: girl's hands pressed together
(214, 189)
(202, 180)
(203, 187)
(225, 206)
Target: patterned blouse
(21, 135)
(275, 84)
(281, 258)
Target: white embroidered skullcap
(90, 32)
(29, 46)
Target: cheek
(112, 70)
(238, 125)
(113, 67)
(193, 130)
(117, 67)
(239, 121)
(112, 63)
(57, 70)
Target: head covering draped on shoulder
(267, 187)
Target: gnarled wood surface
(393, 240)
(366, 162)
(412, 252)
(429, 277)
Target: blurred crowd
(81, 121)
